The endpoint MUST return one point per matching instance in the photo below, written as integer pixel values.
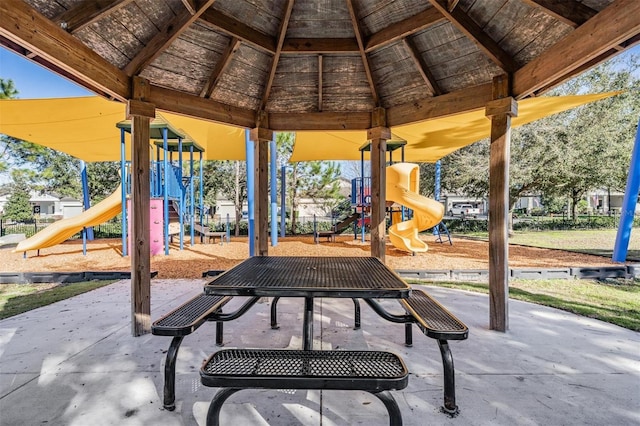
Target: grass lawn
(613, 301)
(18, 298)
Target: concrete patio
(75, 363)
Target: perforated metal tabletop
(350, 277)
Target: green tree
(104, 178)
(318, 180)
(7, 91)
(18, 207)
(228, 179)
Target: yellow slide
(403, 182)
(63, 229)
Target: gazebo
(285, 65)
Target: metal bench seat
(435, 321)
(179, 323)
(236, 369)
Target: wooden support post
(261, 138)
(140, 113)
(500, 111)
(378, 137)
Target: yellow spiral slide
(63, 229)
(403, 183)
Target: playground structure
(410, 212)
(173, 204)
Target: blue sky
(34, 81)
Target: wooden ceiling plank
(464, 100)
(87, 12)
(363, 54)
(320, 45)
(235, 28)
(195, 106)
(467, 26)
(284, 24)
(422, 66)
(570, 12)
(221, 66)
(23, 25)
(404, 28)
(164, 38)
(587, 42)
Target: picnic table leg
(408, 335)
(356, 313)
(169, 398)
(307, 331)
(450, 406)
(274, 313)
(395, 417)
(213, 414)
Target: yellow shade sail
(428, 141)
(86, 128)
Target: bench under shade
(372, 371)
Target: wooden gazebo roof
(311, 64)
(272, 65)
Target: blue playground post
(228, 229)
(165, 194)
(201, 189)
(362, 194)
(250, 188)
(123, 191)
(628, 204)
(274, 192)
(436, 194)
(85, 194)
(192, 205)
(283, 207)
(84, 241)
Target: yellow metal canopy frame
(428, 141)
(86, 128)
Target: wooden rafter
(85, 13)
(570, 12)
(24, 26)
(404, 28)
(164, 38)
(363, 54)
(320, 45)
(319, 82)
(235, 28)
(422, 66)
(586, 43)
(468, 27)
(190, 5)
(284, 24)
(221, 66)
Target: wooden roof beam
(220, 67)
(320, 70)
(164, 38)
(422, 66)
(235, 28)
(404, 28)
(320, 45)
(363, 54)
(586, 43)
(468, 27)
(191, 6)
(284, 24)
(24, 26)
(570, 12)
(195, 106)
(464, 100)
(86, 13)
